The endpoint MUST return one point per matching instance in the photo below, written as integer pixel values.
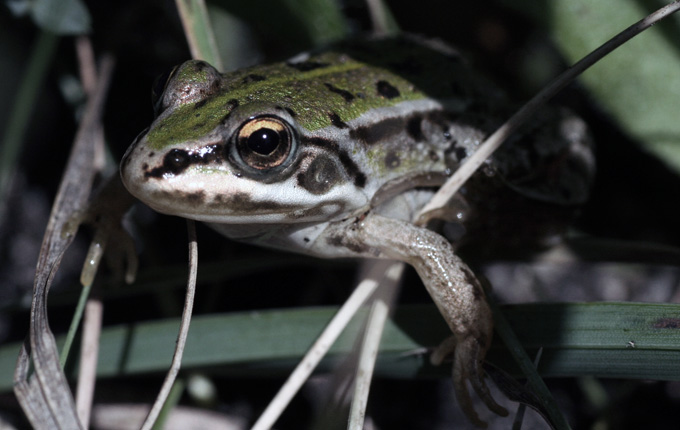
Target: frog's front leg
(453, 287)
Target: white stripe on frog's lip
(244, 200)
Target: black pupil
(264, 141)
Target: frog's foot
(467, 366)
(104, 214)
(121, 255)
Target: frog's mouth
(239, 207)
(223, 197)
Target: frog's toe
(467, 366)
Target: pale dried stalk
(378, 13)
(89, 352)
(198, 31)
(319, 349)
(369, 348)
(92, 322)
(183, 330)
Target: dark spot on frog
(229, 107)
(151, 154)
(352, 169)
(392, 160)
(387, 90)
(242, 202)
(340, 241)
(291, 112)
(253, 78)
(414, 128)
(667, 323)
(306, 66)
(371, 134)
(461, 153)
(336, 121)
(160, 195)
(198, 126)
(199, 104)
(178, 160)
(346, 95)
(231, 104)
(348, 164)
(306, 239)
(194, 198)
(321, 175)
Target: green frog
(333, 153)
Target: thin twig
(318, 350)
(89, 352)
(183, 330)
(371, 344)
(86, 64)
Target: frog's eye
(265, 142)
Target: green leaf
(622, 340)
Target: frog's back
(319, 138)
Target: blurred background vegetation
(630, 102)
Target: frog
(332, 153)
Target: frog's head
(216, 152)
